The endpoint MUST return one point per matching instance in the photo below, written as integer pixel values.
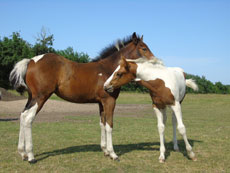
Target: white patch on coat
(25, 134)
(107, 82)
(99, 74)
(37, 58)
(110, 142)
(153, 60)
(172, 76)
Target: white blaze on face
(37, 58)
(107, 82)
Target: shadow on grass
(119, 149)
(10, 119)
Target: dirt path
(57, 110)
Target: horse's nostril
(108, 88)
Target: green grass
(133, 98)
(73, 146)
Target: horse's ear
(124, 63)
(134, 38)
(122, 57)
(142, 38)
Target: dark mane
(109, 50)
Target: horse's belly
(77, 95)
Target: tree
(44, 42)
(12, 50)
(70, 54)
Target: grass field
(74, 146)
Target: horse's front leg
(161, 127)
(109, 109)
(103, 130)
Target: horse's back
(43, 72)
(178, 85)
(173, 78)
(75, 82)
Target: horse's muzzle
(108, 88)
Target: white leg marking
(164, 119)
(103, 139)
(161, 128)
(21, 140)
(37, 58)
(109, 142)
(174, 122)
(181, 128)
(28, 117)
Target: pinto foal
(167, 87)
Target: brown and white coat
(167, 87)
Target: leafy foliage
(205, 86)
(44, 43)
(74, 55)
(14, 49)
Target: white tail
(192, 84)
(17, 75)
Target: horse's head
(124, 73)
(137, 48)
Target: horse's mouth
(109, 88)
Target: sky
(191, 34)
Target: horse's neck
(148, 69)
(110, 63)
(128, 51)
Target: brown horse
(46, 74)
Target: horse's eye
(119, 74)
(144, 49)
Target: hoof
(115, 159)
(113, 156)
(25, 158)
(176, 149)
(106, 154)
(161, 160)
(33, 161)
(194, 159)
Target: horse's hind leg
(21, 140)
(25, 134)
(174, 122)
(181, 128)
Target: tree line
(14, 48)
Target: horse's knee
(161, 128)
(181, 129)
(108, 128)
(29, 115)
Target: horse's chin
(109, 88)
